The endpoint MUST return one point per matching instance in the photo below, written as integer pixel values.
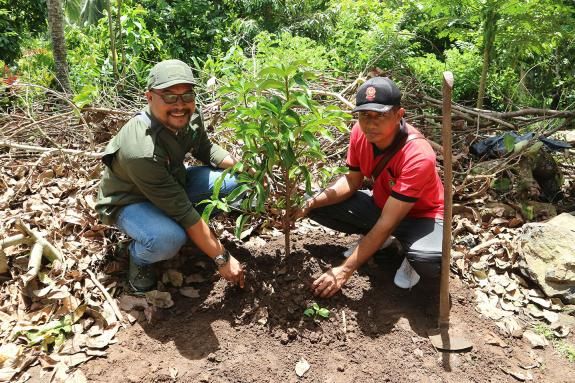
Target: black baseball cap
(378, 94)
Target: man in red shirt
(407, 196)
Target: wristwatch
(222, 259)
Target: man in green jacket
(146, 190)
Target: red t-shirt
(409, 176)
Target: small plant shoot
(316, 311)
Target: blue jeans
(421, 238)
(156, 236)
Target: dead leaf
(495, 340)
(195, 278)
(550, 316)
(104, 339)
(511, 327)
(535, 340)
(92, 352)
(190, 292)
(522, 377)
(161, 299)
(174, 277)
(129, 302)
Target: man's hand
(232, 271)
(330, 282)
(300, 213)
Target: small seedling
(315, 310)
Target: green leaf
(309, 312)
(261, 197)
(272, 70)
(240, 223)
(310, 139)
(315, 306)
(237, 192)
(323, 312)
(272, 84)
(304, 100)
(508, 142)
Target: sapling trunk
(286, 217)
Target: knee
(428, 266)
(164, 245)
(229, 184)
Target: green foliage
(52, 333)
(307, 18)
(501, 185)
(463, 62)
(19, 19)
(272, 50)
(36, 66)
(315, 311)
(190, 28)
(279, 126)
(85, 12)
(90, 57)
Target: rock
(301, 367)
(284, 339)
(546, 251)
(535, 340)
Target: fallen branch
(108, 297)
(335, 95)
(34, 263)
(32, 148)
(14, 240)
(109, 111)
(482, 246)
(49, 250)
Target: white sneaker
(350, 249)
(406, 277)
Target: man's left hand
(330, 282)
(233, 272)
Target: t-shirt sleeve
(413, 177)
(157, 184)
(203, 149)
(352, 152)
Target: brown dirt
(218, 339)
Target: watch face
(221, 259)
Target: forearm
(205, 239)
(368, 245)
(227, 162)
(392, 214)
(339, 191)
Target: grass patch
(562, 346)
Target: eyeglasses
(170, 98)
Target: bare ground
(259, 334)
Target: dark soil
(258, 334)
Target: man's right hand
(233, 272)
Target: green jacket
(145, 162)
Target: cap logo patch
(370, 93)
